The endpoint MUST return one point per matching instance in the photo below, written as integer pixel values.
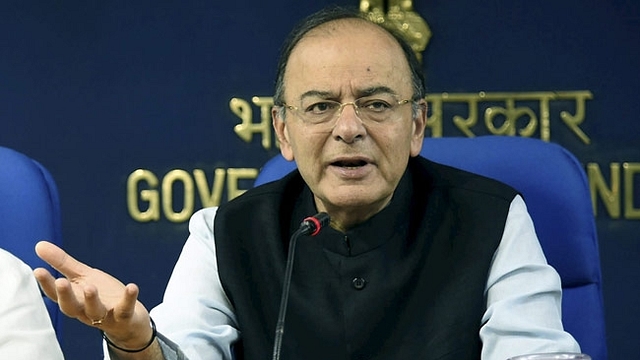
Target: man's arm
(195, 312)
(523, 293)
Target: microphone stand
(309, 226)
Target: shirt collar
(389, 223)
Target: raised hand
(94, 298)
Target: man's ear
(280, 127)
(419, 126)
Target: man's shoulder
(454, 179)
(266, 195)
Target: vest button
(359, 283)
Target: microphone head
(313, 224)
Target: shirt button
(359, 283)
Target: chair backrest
(29, 212)
(556, 191)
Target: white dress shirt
(26, 332)
(523, 293)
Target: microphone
(309, 226)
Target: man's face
(352, 164)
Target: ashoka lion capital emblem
(401, 18)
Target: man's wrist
(111, 344)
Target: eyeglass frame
(341, 106)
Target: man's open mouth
(350, 163)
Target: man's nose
(349, 126)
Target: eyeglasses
(377, 109)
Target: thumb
(60, 260)
(126, 308)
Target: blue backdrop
(97, 90)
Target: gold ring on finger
(99, 321)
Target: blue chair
(555, 188)
(29, 212)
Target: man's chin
(354, 197)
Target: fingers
(68, 302)
(86, 306)
(61, 291)
(60, 260)
(47, 283)
(94, 308)
(91, 295)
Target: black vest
(407, 284)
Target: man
(25, 327)
(420, 261)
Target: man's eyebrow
(374, 90)
(316, 93)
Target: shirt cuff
(170, 350)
